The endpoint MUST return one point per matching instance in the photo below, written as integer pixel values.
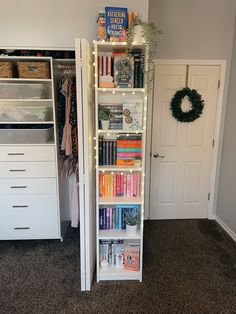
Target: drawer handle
(17, 170)
(22, 228)
(15, 154)
(20, 206)
(18, 187)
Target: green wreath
(197, 105)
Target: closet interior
(39, 145)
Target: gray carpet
(189, 267)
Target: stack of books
(128, 149)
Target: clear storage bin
(24, 91)
(25, 134)
(25, 113)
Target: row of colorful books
(113, 218)
(122, 254)
(121, 70)
(119, 184)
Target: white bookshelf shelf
(119, 168)
(120, 90)
(109, 131)
(120, 200)
(117, 234)
(112, 273)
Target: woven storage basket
(6, 69)
(37, 69)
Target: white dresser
(29, 200)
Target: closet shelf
(49, 143)
(25, 100)
(27, 122)
(25, 80)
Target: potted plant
(131, 219)
(104, 115)
(144, 33)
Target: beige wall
(226, 207)
(54, 23)
(204, 29)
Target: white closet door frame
(85, 114)
(218, 132)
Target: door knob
(156, 155)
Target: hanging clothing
(67, 118)
(68, 140)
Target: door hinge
(218, 84)
(209, 196)
(213, 143)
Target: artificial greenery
(131, 217)
(149, 40)
(197, 105)
(104, 113)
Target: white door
(180, 176)
(85, 113)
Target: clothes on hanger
(67, 117)
(68, 138)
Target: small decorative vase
(138, 35)
(105, 124)
(131, 230)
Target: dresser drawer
(29, 217)
(27, 169)
(28, 186)
(27, 153)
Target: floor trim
(226, 228)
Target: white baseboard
(226, 228)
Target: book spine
(125, 184)
(118, 184)
(132, 184)
(100, 144)
(104, 65)
(103, 152)
(109, 65)
(100, 68)
(100, 184)
(128, 185)
(121, 184)
(114, 184)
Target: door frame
(218, 133)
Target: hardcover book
(116, 23)
(133, 114)
(123, 71)
(131, 257)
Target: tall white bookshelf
(109, 236)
